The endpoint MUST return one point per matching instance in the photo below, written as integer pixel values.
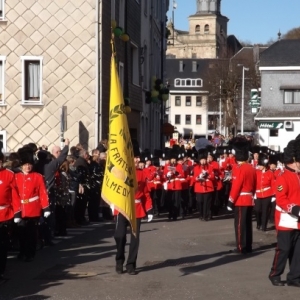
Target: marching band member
(34, 200)
(204, 187)
(10, 208)
(287, 218)
(241, 197)
(143, 208)
(265, 191)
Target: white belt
(137, 201)
(280, 209)
(4, 206)
(30, 199)
(156, 182)
(262, 190)
(245, 194)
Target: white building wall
(281, 141)
(193, 110)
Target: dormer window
(206, 28)
(197, 29)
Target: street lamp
(173, 21)
(243, 96)
(220, 106)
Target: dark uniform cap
(202, 153)
(255, 149)
(136, 151)
(240, 150)
(263, 159)
(26, 156)
(289, 152)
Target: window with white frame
(188, 101)
(198, 119)
(188, 119)
(135, 64)
(2, 87)
(198, 101)
(32, 72)
(189, 82)
(2, 9)
(177, 119)
(121, 74)
(291, 97)
(3, 141)
(177, 100)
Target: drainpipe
(98, 90)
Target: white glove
(17, 220)
(47, 214)
(169, 174)
(229, 208)
(255, 196)
(150, 217)
(273, 199)
(81, 189)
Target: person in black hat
(275, 165)
(10, 208)
(241, 197)
(287, 219)
(34, 202)
(265, 191)
(143, 208)
(204, 186)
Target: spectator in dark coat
(82, 169)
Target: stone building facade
(55, 69)
(48, 63)
(207, 35)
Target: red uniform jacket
(218, 178)
(175, 177)
(205, 185)
(10, 203)
(287, 196)
(150, 173)
(243, 185)
(265, 184)
(143, 202)
(33, 194)
(157, 181)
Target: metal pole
(242, 111)
(220, 107)
(173, 25)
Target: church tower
(207, 35)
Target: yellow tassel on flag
(119, 183)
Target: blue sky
(254, 21)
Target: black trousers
(94, 204)
(28, 233)
(4, 244)
(156, 197)
(262, 209)
(243, 228)
(204, 204)
(288, 248)
(80, 207)
(120, 237)
(60, 220)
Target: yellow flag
(119, 183)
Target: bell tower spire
(209, 7)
